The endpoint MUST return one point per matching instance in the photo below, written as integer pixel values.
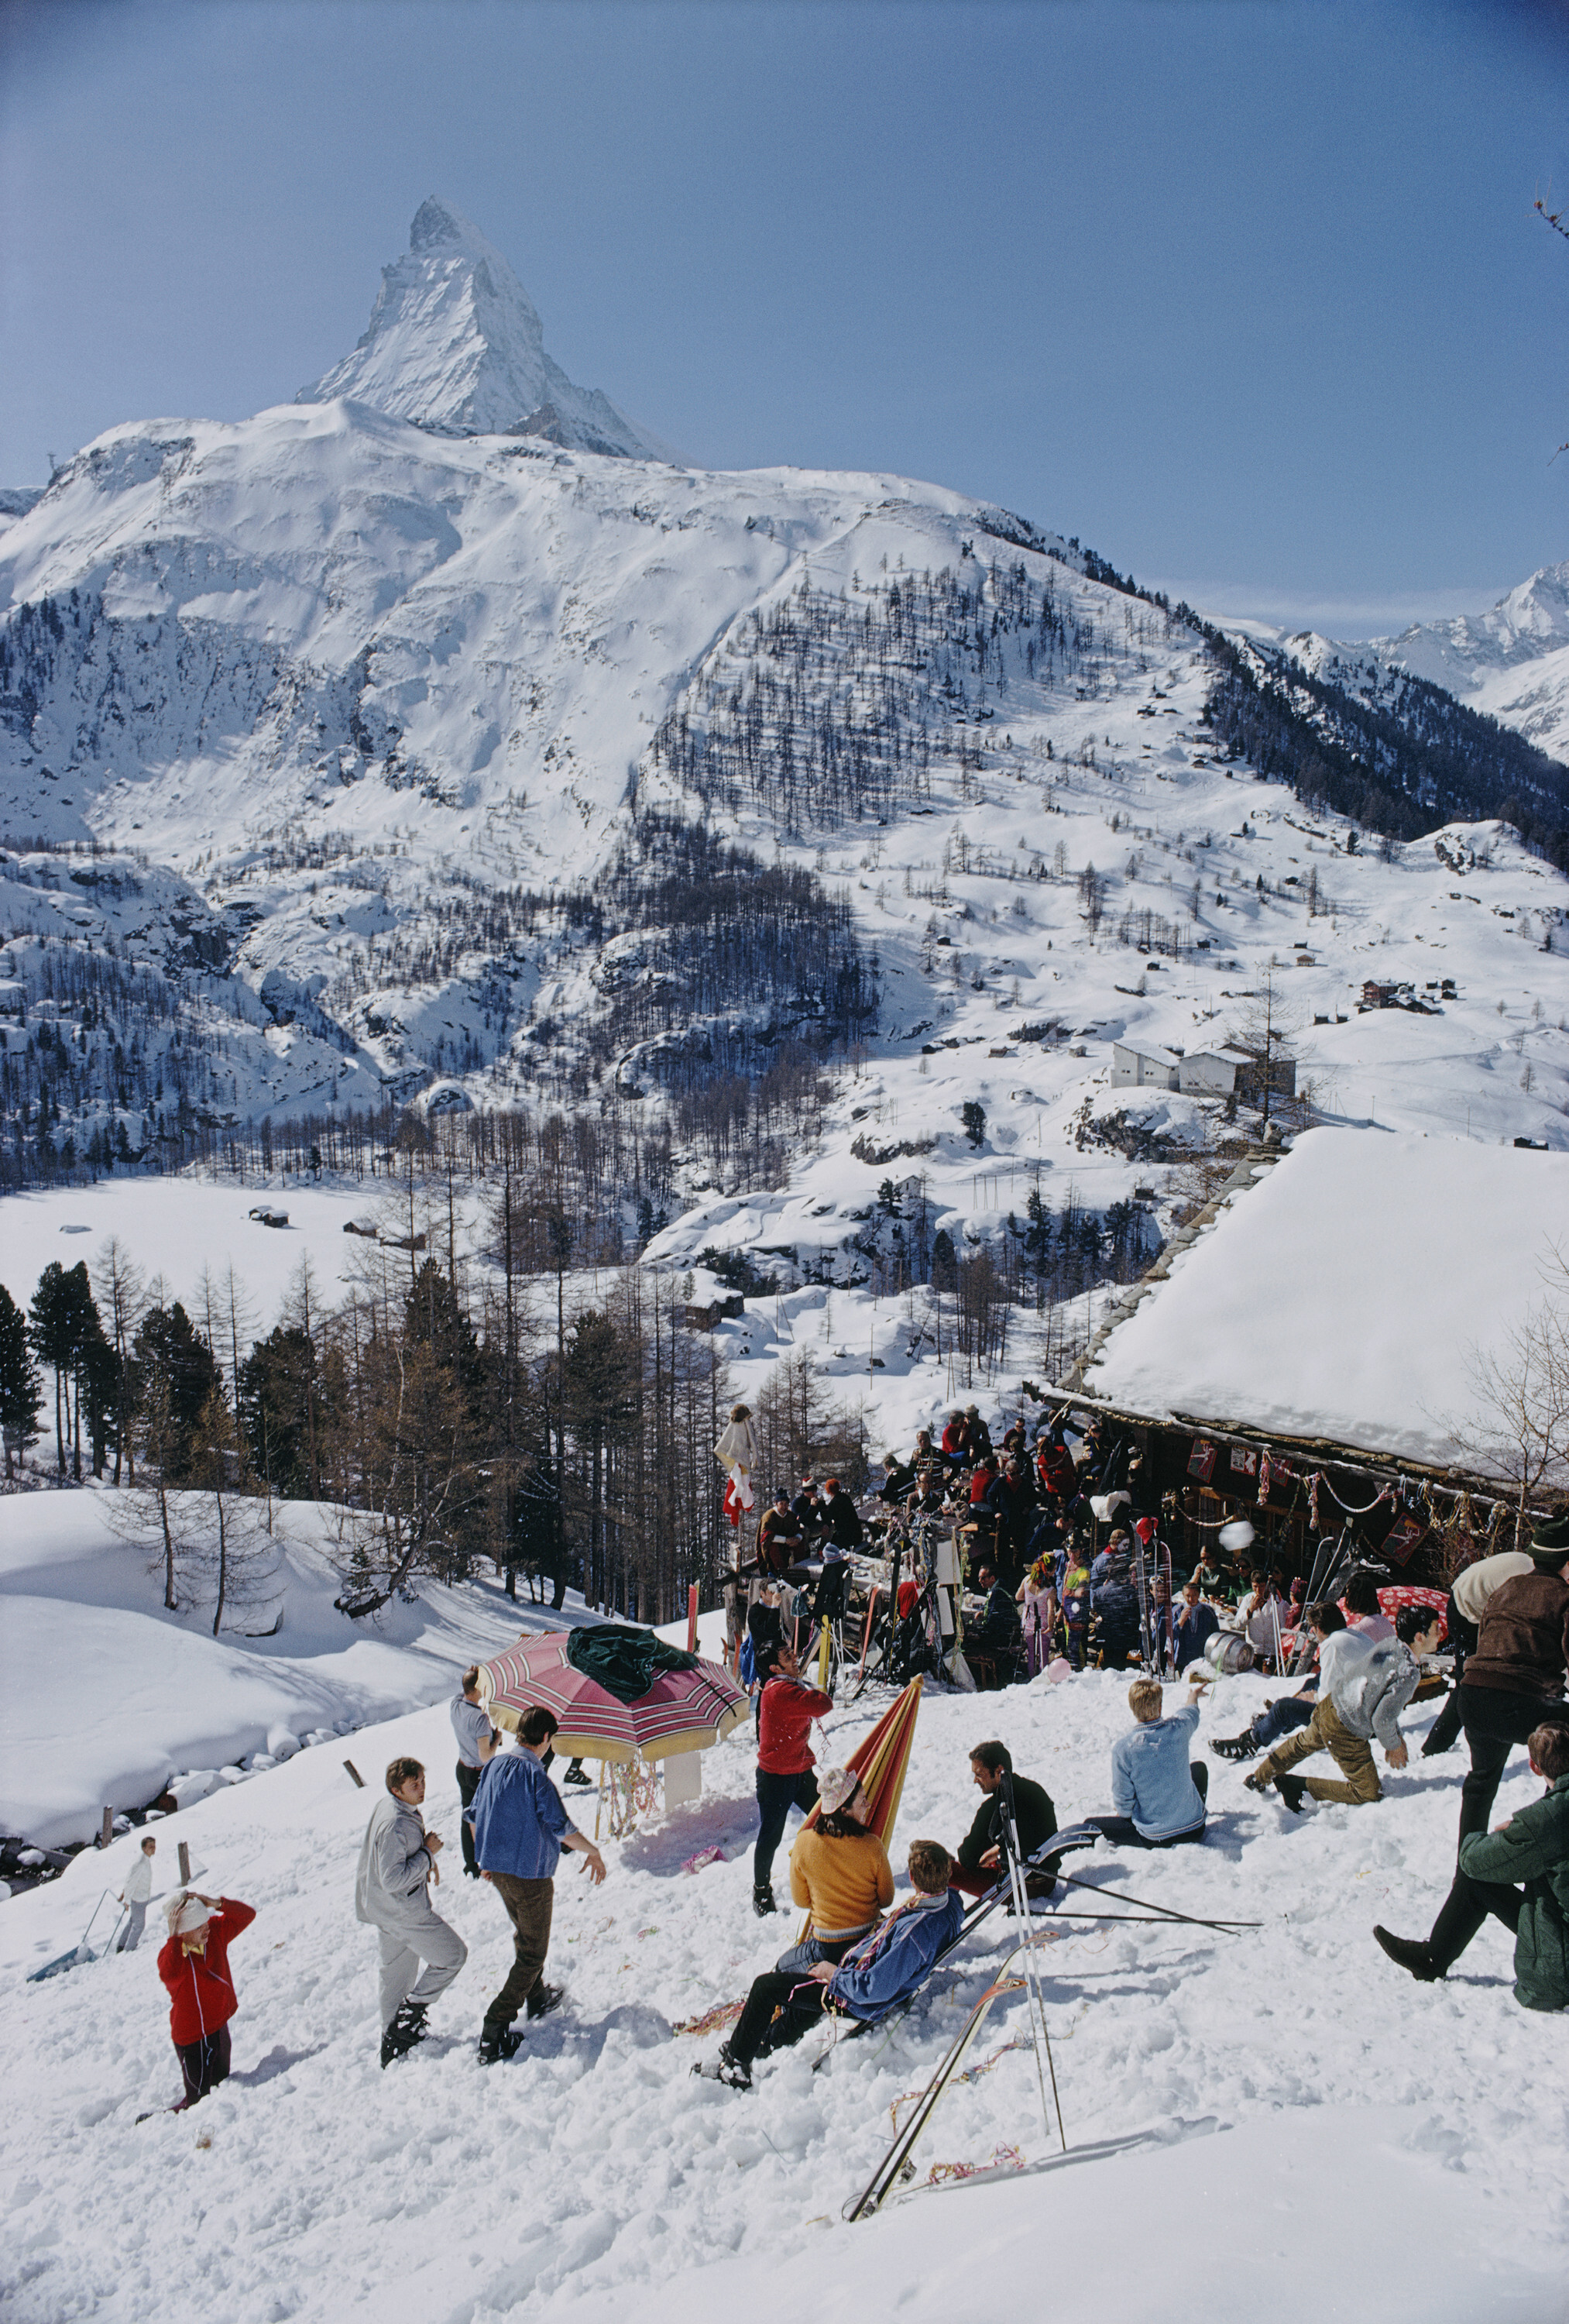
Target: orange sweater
(842, 1882)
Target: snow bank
(1277, 2124)
(1345, 1294)
(108, 1694)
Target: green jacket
(1533, 1847)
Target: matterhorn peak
(456, 344)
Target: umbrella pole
(600, 1804)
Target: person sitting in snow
(1363, 1686)
(978, 1866)
(873, 1977)
(1158, 1794)
(194, 1968)
(1519, 1872)
(397, 1859)
(839, 1871)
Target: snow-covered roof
(1345, 1294)
(1149, 1051)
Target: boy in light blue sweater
(1158, 1796)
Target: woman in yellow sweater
(839, 1871)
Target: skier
(1533, 1849)
(520, 1828)
(978, 1866)
(883, 1970)
(784, 1764)
(1363, 1686)
(136, 1894)
(397, 1858)
(1159, 1795)
(194, 1965)
(469, 1725)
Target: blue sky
(1249, 297)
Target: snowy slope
(1273, 2123)
(456, 344)
(1511, 662)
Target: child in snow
(136, 1894)
(195, 1967)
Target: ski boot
(496, 2048)
(406, 2031)
(726, 2069)
(544, 2000)
(1235, 1746)
(762, 1899)
(1293, 1790)
(574, 1777)
(1409, 1953)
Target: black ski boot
(496, 2048)
(726, 2069)
(1293, 1790)
(1235, 1746)
(544, 2000)
(576, 1777)
(762, 1899)
(1410, 1954)
(406, 2031)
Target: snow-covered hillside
(456, 344)
(1511, 662)
(1276, 2122)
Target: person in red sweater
(195, 1967)
(785, 1764)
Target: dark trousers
(205, 2064)
(1464, 1911)
(468, 1780)
(1126, 1833)
(799, 1996)
(982, 1882)
(527, 1904)
(1495, 1721)
(777, 1795)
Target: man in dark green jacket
(1520, 1873)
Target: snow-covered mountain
(1511, 663)
(456, 344)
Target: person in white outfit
(136, 1894)
(397, 1859)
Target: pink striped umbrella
(682, 1711)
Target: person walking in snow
(136, 1896)
(520, 1828)
(194, 1965)
(1363, 1686)
(470, 1725)
(1514, 1682)
(785, 1764)
(397, 1859)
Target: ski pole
(1166, 1912)
(1039, 2032)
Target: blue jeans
(1283, 1716)
(777, 1795)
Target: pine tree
(21, 1382)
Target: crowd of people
(1507, 1627)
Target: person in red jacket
(195, 1967)
(785, 1764)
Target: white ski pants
(417, 1935)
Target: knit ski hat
(187, 1914)
(1549, 1545)
(840, 1788)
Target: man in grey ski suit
(397, 1858)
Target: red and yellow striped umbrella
(880, 1759)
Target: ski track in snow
(1348, 2137)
